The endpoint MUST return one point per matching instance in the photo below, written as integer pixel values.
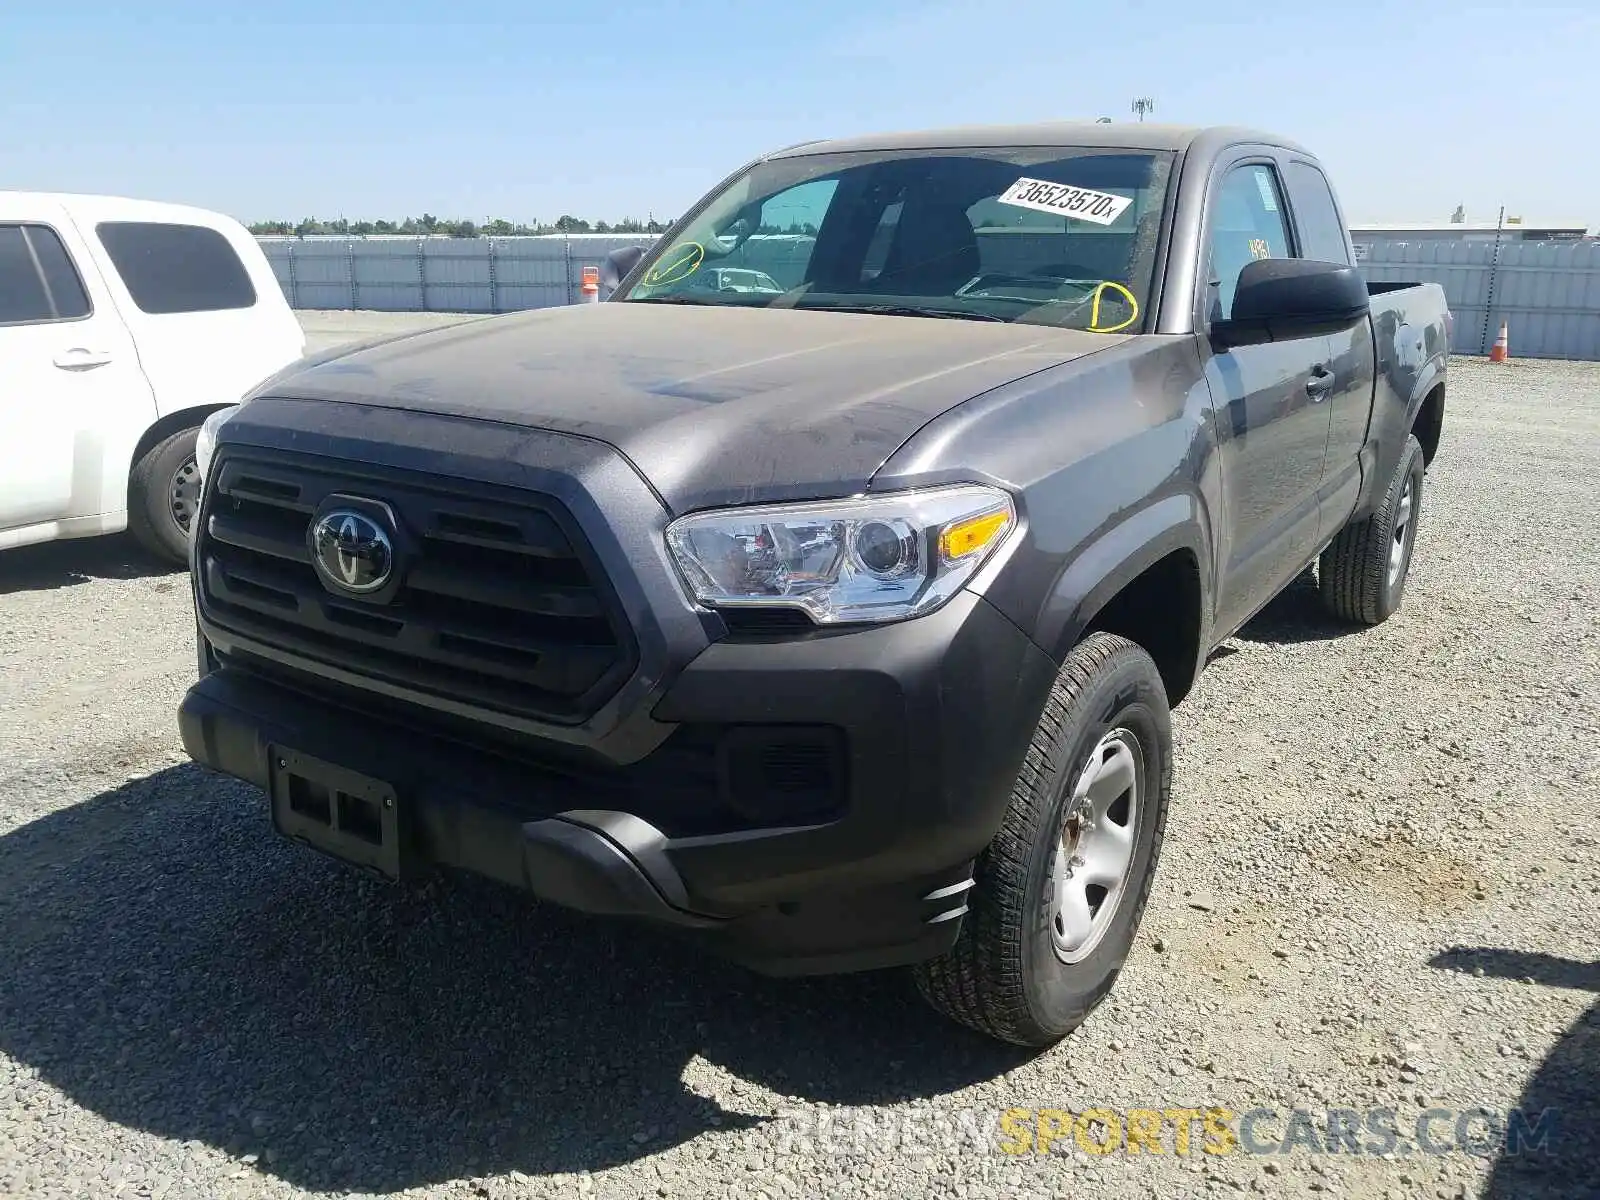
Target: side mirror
(1280, 299)
(616, 266)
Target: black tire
(1004, 977)
(1354, 571)
(153, 508)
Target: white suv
(123, 325)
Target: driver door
(1269, 400)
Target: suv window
(1322, 234)
(176, 268)
(1247, 223)
(37, 279)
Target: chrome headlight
(868, 558)
(205, 442)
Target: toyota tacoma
(835, 624)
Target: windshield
(1046, 235)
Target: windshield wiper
(669, 300)
(905, 310)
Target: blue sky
(527, 109)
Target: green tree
(428, 223)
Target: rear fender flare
(1386, 435)
(1431, 376)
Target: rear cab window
(1322, 234)
(38, 281)
(173, 268)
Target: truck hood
(713, 405)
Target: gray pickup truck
(834, 623)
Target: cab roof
(1120, 135)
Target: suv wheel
(1062, 887)
(164, 496)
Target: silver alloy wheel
(184, 493)
(1094, 854)
(1403, 530)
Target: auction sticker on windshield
(1081, 204)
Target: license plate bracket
(341, 812)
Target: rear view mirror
(1279, 299)
(616, 266)
(731, 236)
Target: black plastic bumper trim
(607, 863)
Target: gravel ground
(1379, 889)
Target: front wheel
(164, 496)
(1060, 891)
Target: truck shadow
(1295, 615)
(170, 964)
(1566, 1083)
(52, 565)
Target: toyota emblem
(351, 551)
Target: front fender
(1116, 557)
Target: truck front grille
(501, 603)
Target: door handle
(80, 359)
(1320, 383)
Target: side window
(176, 268)
(787, 235)
(37, 279)
(798, 209)
(1247, 223)
(61, 278)
(1322, 234)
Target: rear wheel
(1363, 571)
(1061, 889)
(164, 496)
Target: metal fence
(438, 274)
(1548, 293)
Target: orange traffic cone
(591, 285)
(1501, 350)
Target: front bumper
(935, 716)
